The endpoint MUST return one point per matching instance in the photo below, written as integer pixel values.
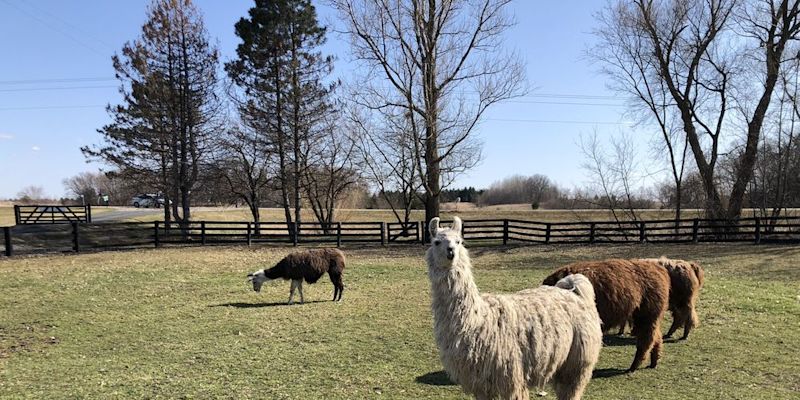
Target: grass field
(465, 211)
(182, 323)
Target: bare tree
(330, 172)
(385, 148)
(88, 186)
(440, 60)
(515, 189)
(30, 194)
(244, 165)
(691, 48)
(613, 174)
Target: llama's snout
(256, 280)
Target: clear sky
(56, 78)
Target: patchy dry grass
(6, 216)
(465, 211)
(175, 323)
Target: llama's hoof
(667, 337)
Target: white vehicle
(147, 201)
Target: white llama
(500, 345)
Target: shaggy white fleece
(500, 345)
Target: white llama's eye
(437, 242)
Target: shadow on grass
(614, 340)
(260, 305)
(438, 378)
(608, 373)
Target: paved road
(119, 214)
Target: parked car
(147, 201)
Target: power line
(545, 121)
(565, 103)
(58, 88)
(575, 96)
(51, 27)
(56, 80)
(50, 107)
(68, 24)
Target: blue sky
(56, 78)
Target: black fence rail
(52, 214)
(75, 236)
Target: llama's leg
(570, 385)
(300, 288)
(338, 287)
(644, 341)
(691, 322)
(291, 291)
(655, 352)
(678, 320)
(483, 396)
(521, 393)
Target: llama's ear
(457, 225)
(433, 226)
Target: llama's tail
(579, 284)
(698, 272)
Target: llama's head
(257, 278)
(447, 245)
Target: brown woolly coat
(627, 290)
(686, 279)
(309, 265)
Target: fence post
(695, 229)
(89, 213)
(505, 232)
(758, 230)
(383, 233)
(642, 236)
(7, 237)
(591, 232)
(249, 235)
(203, 233)
(547, 233)
(16, 215)
(295, 232)
(338, 234)
(155, 234)
(76, 247)
(421, 232)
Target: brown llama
(627, 290)
(686, 280)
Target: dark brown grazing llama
(686, 280)
(627, 290)
(307, 265)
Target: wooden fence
(76, 236)
(52, 214)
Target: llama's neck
(275, 272)
(455, 297)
